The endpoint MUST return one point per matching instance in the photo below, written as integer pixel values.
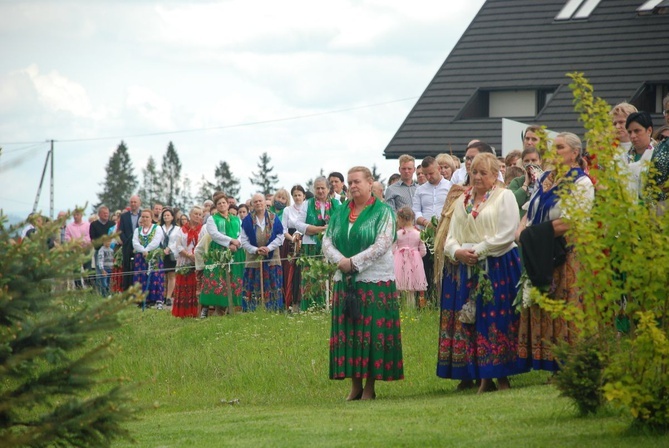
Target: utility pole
(51, 215)
(49, 157)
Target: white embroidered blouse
(374, 264)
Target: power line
(25, 148)
(213, 128)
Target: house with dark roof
(512, 60)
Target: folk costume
(292, 273)
(365, 339)
(215, 285)
(314, 213)
(538, 330)
(480, 343)
(148, 274)
(257, 232)
(185, 294)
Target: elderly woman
(291, 271)
(224, 231)
(479, 328)
(538, 330)
(185, 292)
(365, 340)
(148, 264)
(261, 237)
(312, 223)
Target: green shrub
(622, 247)
(581, 373)
(638, 378)
(51, 390)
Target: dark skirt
(272, 288)
(371, 346)
(487, 348)
(153, 282)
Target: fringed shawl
(542, 201)
(441, 234)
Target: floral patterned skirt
(369, 347)
(272, 288)
(539, 331)
(215, 282)
(153, 283)
(487, 348)
(185, 295)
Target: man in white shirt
(430, 197)
(427, 202)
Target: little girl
(409, 251)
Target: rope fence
(91, 275)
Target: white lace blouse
(181, 244)
(491, 233)
(374, 264)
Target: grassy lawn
(276, 365)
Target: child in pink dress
(408, 252)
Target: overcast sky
(80, 71)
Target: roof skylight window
(577, 9)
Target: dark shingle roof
(517, 44)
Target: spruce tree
(120, 181)
(205, 191)
(264, 179)
(171, 175)
(150, 191)
(185, 200)
(54, 390)
(376, 175)
(225, 181)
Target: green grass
(276, 365)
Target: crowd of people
(230, 257)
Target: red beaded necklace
(351, 205)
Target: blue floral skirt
(153, 283)
(272, 288)
(487, 348)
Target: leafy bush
(622, 247)
(581, 373)
(639, 378)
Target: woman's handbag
(467, 314)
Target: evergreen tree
(264, 179)
(171, 175)
(54, 390)
(151, 189)
(185, 200)
(205, 190)
(225, 181)
(376, 175)
(309, 186)
(120, 181)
